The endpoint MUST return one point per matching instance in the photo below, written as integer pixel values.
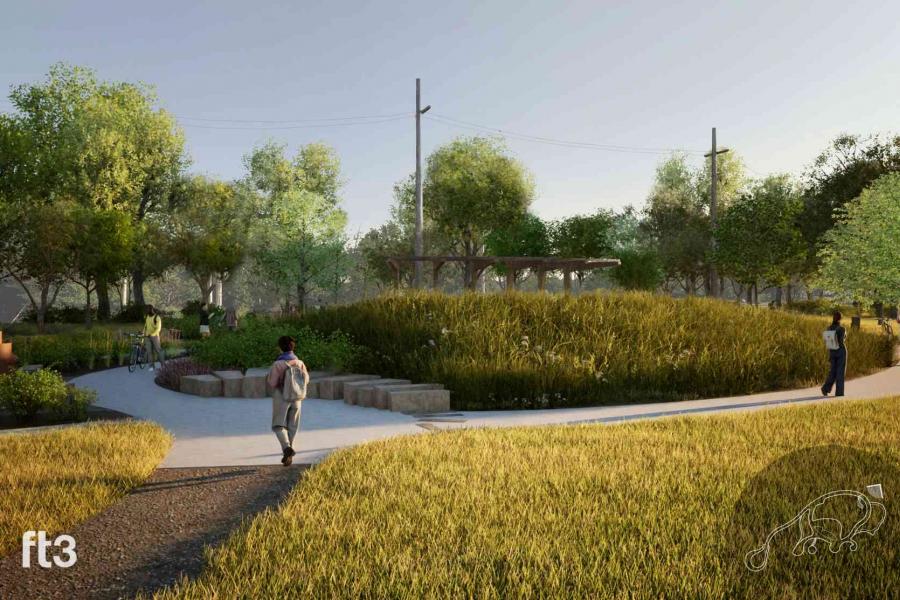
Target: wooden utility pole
(713, 210)
(420, 240)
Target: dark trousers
(838, 359)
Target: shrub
(75, 404)
(70, 351)
(25, 394)
(170, 374)
(131, 313)
(60, 314)
(255, 345)
(537, 350)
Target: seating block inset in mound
(332, 388)
(353, 390)
(208, 386)
(419, 401)
(381, 398)
(232, 383)
(253, 385)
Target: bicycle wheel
(133, 359)
(142, 357)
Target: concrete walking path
(236, 431)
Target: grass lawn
(664, 508)
(52, 481)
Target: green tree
(527, 236)
(208, 231)
(758, 239)
(300, 221)
(472, 187)
(860, 256)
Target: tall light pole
(713, 210)
(420, 213)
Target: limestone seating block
(381, 393)
(32, 368)
(254, 383)
(352, 389)
(320, 374)
(232, 383)
(419, 401)
(208, 386)
(332, 388)
(312, 389)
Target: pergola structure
(513, 264)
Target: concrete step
(353, 390)
(332, 388)
(418, 401)
(208, 386)
(381, 393)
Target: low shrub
(24, 395)
(528, 350)
(169, 375)
(60, 314)
(70, 351)
(822, 306)
(255, 345)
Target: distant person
(835, 338)
(286, 376)
(231, 320)
(152, 329)
(204, 320)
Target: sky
(777, 79)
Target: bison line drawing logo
(829, 531)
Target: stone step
(332, 388)
(353, 389)
(208, 386)
(381, 393)
(232, 383)
(254, 383)
(417, 401)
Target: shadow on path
(155, 534)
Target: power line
(557, 142)
(308, 126)
(295, 121)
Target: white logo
(829, 531)
(65, 543)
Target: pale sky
(778, 80)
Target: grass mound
(52, 481)
(539, 350)
(664, 508)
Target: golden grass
(663, 508)
(51, 481)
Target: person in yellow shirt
(152, 329)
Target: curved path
(235, 431)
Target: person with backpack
(835, 337)
(152, 330)
(287, 381)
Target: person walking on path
(152, 329)
(204, 320)
(286, 410)
(837, 356)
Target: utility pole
(420, 217)
(713, 210)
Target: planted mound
(538, 350)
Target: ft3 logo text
(65, 544)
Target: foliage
(860, 256)
(58, 314)
(299, 232)
(208, 230)
(54, 480)
(255, 345)
(25, 394)
(527, 236)
(169, 375)
(74, 406)
(471, 188)
(537, 350)
(641, 510)
(641, 269)
(73, 351)
(758, 238)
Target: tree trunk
(750, 293)
(137, 279)
(103, 307)
(789, 294)
(87, 308)
(301, 297)
(41, 315)
(778, 296)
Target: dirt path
(153, 535)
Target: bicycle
(138, 356)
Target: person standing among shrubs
(287, 383)
(152, 329)
(835, 337)
(204, 320)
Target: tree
(840, 174)
(100, 248)
(208, 231)
(641, 266)
(472, 187)
(758, 239)
(583, 236)
(528, 236)
(299, 218)
(860, 256)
